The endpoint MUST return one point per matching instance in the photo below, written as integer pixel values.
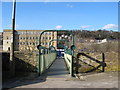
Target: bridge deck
(58, 69)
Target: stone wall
(5, 60)
(26, 61)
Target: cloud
(58, 27)
(110, 26)
(69, 5)
(85, 26)
(46, 1)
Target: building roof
(8, 30)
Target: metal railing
(69, 60)
(46, 58)
(48, 55)
(99, 63)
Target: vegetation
(109, 48)
(99, 34)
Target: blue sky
(61, 15)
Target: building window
(19, 32)
(26, 43)
(43, 38)
(30, 37)
(46, 43)
(15, 37)
(7, 37)
(16, 33)
(23, 43)
(19, 37)
(33, 43)
(20, 43)
(47, 33)
(35, 32)
(7, 42)
(43, 43)
(50, 33)
(25, 32)
(46, 38)
(33, 37)
(36, 37)
(49, 38)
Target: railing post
(77, 63)
(72, 73)
(39, 52)
(72, 67)
(103, 60)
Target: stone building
(1, 41)
(27, 39)
(1, 38)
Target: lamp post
(12, 61)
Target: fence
(91, 61)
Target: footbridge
(48, 60)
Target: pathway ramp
(58, 69)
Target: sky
(61, 15)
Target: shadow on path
(57, 70)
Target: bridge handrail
(46, 61)
(41, 47)
(69, 60)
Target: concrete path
(58, 69)
(98, 80)
(58, 77)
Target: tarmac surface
(58, 77)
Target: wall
(28, 62)
(6, 41)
